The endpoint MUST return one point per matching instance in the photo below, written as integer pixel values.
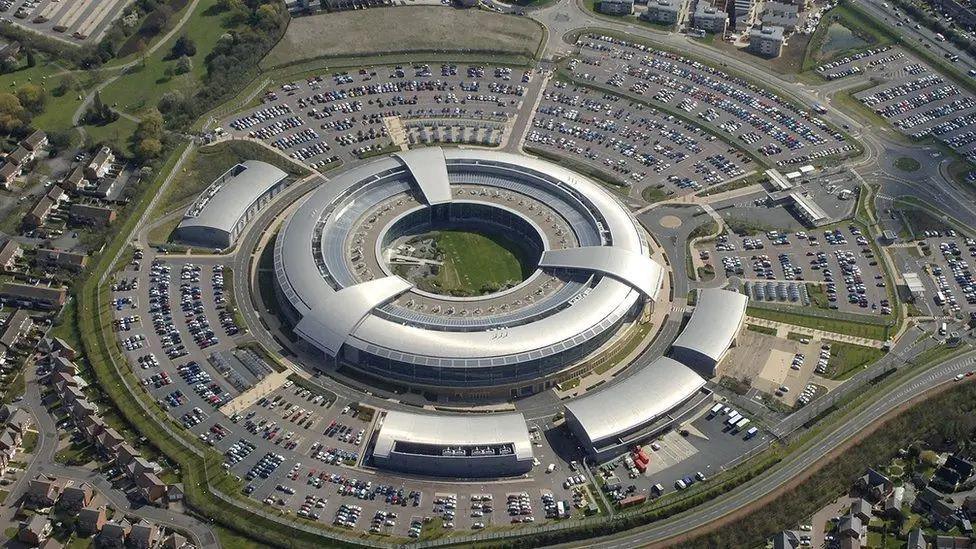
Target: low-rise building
(16, 326)
(43, 490)
(616, 7)
(60, 259)
(781, 14)
(91, 519)
(35, 531)
(9, 172)
(75, 497)
(93, 215)
(75, 179)
(35, 141)
(100, 164)
(767, 41)
(10, 252)
(710, 18)
(113, 533)
(20, 156)
(144, 535)
(663, 12)
(33, 296)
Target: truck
(740, 424)
(733, 417)
(715, 410)
(751, 433)
(940, 298)
(943, 328)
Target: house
(51, 543)
(64, 365)
(113, 533)
(174, 492)
(144, 535)
(940, 512)
(87, 214)
(9, 443)
(92, 427)
(894, 502)
(35, 141)
(20, 156)
(125, 455)
(787, 539)
(42, 209)
(29, 295)
(75, 179)
(108, 441)
(916, 539)
(75, 497)
(60, 259)
(175, 541)
(17, 325)
(150, 488)
(862, 510)
(19, 421)
(10, 252)
(850, 526)
(91, 519)
(850, 543)
(43, 490)
(953, 472)
(61, 347)
(952, 542)
(100, 165)
(6, 411)
(9, 172)
(35, 531)
(137, 466)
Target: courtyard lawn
(474, 261)
(406, 30)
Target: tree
(13, 115)
(184, 65)
(184, 46)
(68, 84)
(32, 97)
(149, 149)
(31, 61)
(58, 141)
(151, 126)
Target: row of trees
(125, 38)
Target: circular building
(460, 269)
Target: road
(767, 483)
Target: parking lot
(77, 20)
(752, 117)
(639, 146)
(834, 268)
(330, 119)
(919, 102)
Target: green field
(475, 262)
(116, 135)
(143, 85)
(847, 359)
(837, 325)
(405, 30)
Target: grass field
(47, 74)
(406, 30)
(475, 261)
(836, 325)
(847, 359)
(907, 164)
(116, 134)
(208, 163)
(142, 86)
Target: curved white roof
(639, 271)
(429, 170)
(714, 324)
(331, 322)
(596, 308)
(222, 204)
(636, 400)
(447, 430)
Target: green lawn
(836, 325)
(654, 194)
(907, 164)
(29, 442)
(921, 221)
(57, 109)
(146, 82)
(474, 262)
(405, 30)
(761, 329)
(847, 359)
(116, 134)
(230, 539)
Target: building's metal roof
(715, 322)
(637, 400)
(429, 169)
(331, 322)
(639, 271)
(810, 209)
(593, 310)
(454, 430)
(222, 204)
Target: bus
(751, 433)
